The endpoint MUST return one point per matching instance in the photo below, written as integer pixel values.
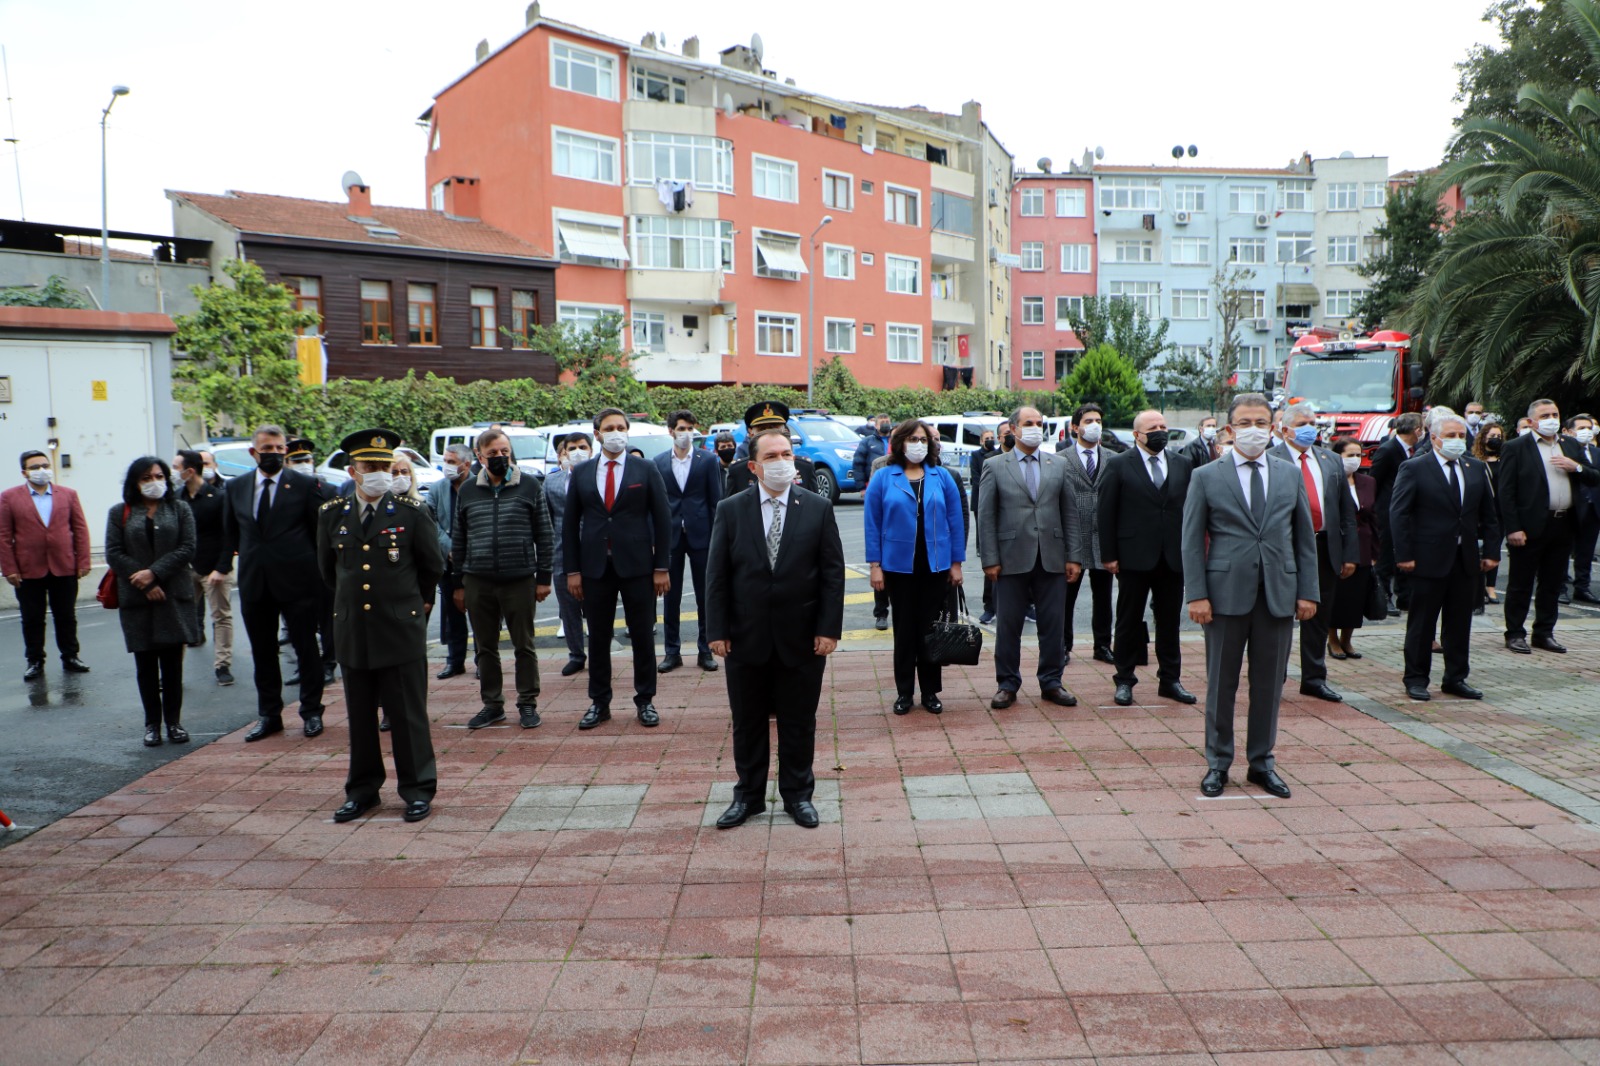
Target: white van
(528, 446)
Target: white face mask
(1252, 440)
(41, 476)
(1089, 432)
(1548, 426)
(916, 452)
(1474, 420)
(1453, 447)
(153, 490)
(1208, 433)
(577, 455)
(401, 485)
(777, 474)
(683, 438)
(1524, 431)
(304, 466)
(1352, 463)
(1031, 436)
(1585, 436)
(376, 483)
(614, 442)
(1227, 449)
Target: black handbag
(1377, 605)
(954, 640)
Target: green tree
(1106, 377)
(1123, 325)
(595, 356)
(1537, 46)
(1412, 233)
(56, 291)
(240, 345)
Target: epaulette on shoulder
(331, 504)
(408, 501)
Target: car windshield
(1363, 382)
(527, 446)
(826, 429)
(652, 445)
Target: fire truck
(1357, 384)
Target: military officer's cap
(300, 447)
(767, 414)
(370, 445)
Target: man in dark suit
(1203, 449)
(207, 501)
(1333, 518)
(1084, 459)
(990, 447)
(302, 458)
(1142, 493)
(1540, 479)
(616, 543)
(1441, 510)
(270, 519)
(1385, 466)
(775, 610)
(694, 488)
(1581, 428)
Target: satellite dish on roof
(727, 105)
(1177, 151)
(1193, 151)
(757, 49)
(1099, 153)
(350, 178)
(1044, 164)
(1347, 155)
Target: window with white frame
(838, 261)
(903, 343)
(663, 88)
(1374, 194)
(581, 71)
(1191, 251)
(839, 335)
(1076, 259)
(941, 351)
(649, 331)
(1373, 246)
(1341, 303)
(1132, 250)
(1247, 199)
(838, 191)
(1032, 255)
(902, 274)
(902, 205)
(1032, 366)
(775, 179)
(942, 285)
(1342, 196)
(1189, 198)
(1247, 249)
(1144, 295)
(590, 240)
(1191, 303)
(1294, 248)
(585, 156)
(1341, 251)
(436, 196)
(662, 242)
(1066, 307)
(705, 161)
(1294, 195)
(1253, 303)
(1200, 353)
(585, 316)
(1129, 194)
(484, 318)
(777, 334)
(778, 255)
(1032, 203)
(1070, 203)
(1252, 358)
(1033, 310)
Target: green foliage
(56, 291)
(595, 357)
(1124, 326)
(1106, 377)
(1538, 45)
(240, 345)
(1412, 233)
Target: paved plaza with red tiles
(1040, 884)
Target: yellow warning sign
(97, 390)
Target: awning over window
(781, 255)
(1298, 294)
(594, 242)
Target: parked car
(827, 442)
(233, 457)
(334, 470)
(530, 448)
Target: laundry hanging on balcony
(675, 195)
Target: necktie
(1311, 491)
(1156, 474)
(265, 503)
(775, 532)
(366, 517)
(611, 483)
(1088, 464)
(1030, 473)
(1455, 483)
(1258, 493)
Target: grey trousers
(1228, 638)
(1013, 593)
(487, 603)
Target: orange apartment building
(691, 198)
(1054, 229)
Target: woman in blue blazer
(916, 545)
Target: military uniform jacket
(382, 580)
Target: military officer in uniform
(380, 553)
(759, 416)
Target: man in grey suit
(1032, 545)
(1249, 570)
(1084, 458)
(1333, 517)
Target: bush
(1103, 376)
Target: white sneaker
(561, 629)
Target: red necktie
(611, 483)
(1311, 491)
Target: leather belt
(1561, 513)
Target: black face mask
(498, 465)
(1492, 445)
(726, 454)
(1156, 440)
(988, 445)
(271, 463)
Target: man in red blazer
(44, 552)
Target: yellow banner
(313, 360)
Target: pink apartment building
(1053, 232)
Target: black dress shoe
(1549, 644)
(313, 726)
(1123, 697)
(1394, 612)
(1461, 690)
(647, 716)
(708, 663)
(152, 737)
(450, 670)
(1003, 699)
(1419, 693)
(1060, 697)
(74, 665)
(1518, 645)
(1102, 654)
(290, 682)
(572, 666)
(1353, 654)
(383, 722)
(1341, 656)
(263, 729)
(1565, 599)
(934, 704)
(1320, 690)
(1213, 783)
(224, 677)
(594, 716)
(34, 671)
(803, 813)
(1585, 596)
(417, 810)
(1173, 690)
(329, 673)
(177, 734)
(669, 663)
(881, 622)
(738, 813)
(353, 809)
(1269, 780)
(902, 705)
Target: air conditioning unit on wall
(1263, 220)
(1182, 218)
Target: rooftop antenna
(757, 49)
(16, 152)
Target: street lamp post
(105, 230)
(811, 309)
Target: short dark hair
(1248, 399)
(136, 472)
(1409, 422)
(726, 438)
(897, 442)
(681, 416)
(31, 453)
(606, 412)
(1337, 444)
(487, 437)
(191, 460)
(1535, 405)
(1087, 409)
(753, 444)
(269, 429)
(574, 437)
(1575, 419)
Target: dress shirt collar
(48, 490)
(1240, 459)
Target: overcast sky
(285, 97)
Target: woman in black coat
(1350, 602)
(150, 539)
